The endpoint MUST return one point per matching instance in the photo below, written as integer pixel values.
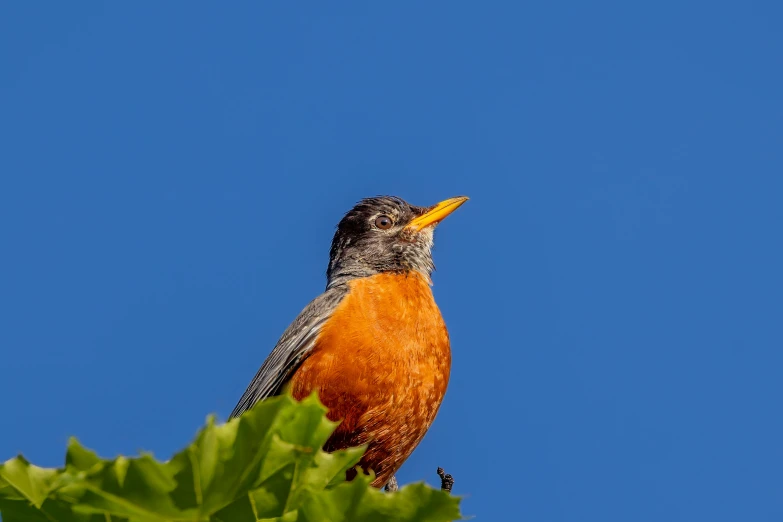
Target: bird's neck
(343, 277)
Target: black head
(385, 234)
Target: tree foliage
(265, 466)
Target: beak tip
(459, 201)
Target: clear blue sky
(172, 174)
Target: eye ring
(384, 222)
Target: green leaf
(80, 458)
(27, 493)
(22, 480)
(329, 468)
(355, 501)
(266, 466)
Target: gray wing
(292, 348)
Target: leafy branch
(265, 466)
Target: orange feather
(381, 365)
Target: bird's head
(385, 234)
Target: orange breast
(381, 365)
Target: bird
(374, 344)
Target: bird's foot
(446, 480)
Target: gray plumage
(293, 346)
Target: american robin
(374, 344)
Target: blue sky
(171, 175)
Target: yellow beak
(436, 214)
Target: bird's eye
(383, 222)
